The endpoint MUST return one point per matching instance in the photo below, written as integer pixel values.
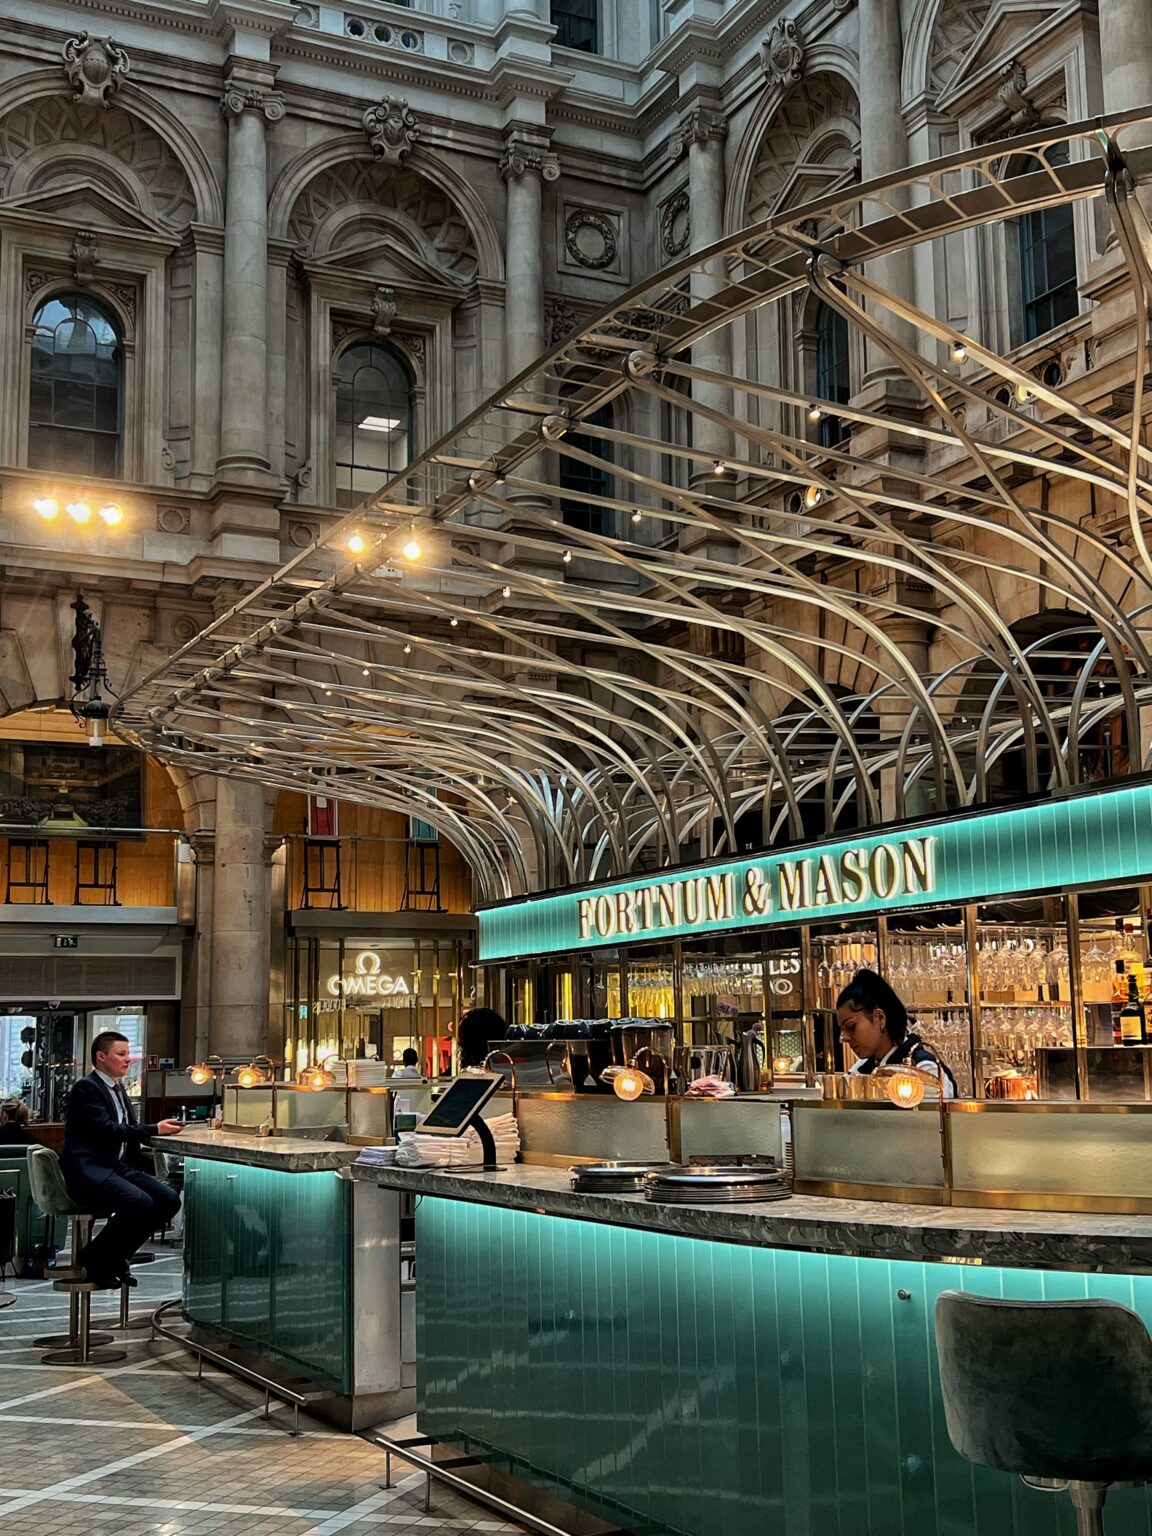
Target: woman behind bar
(474, 1034)
(874, 1022)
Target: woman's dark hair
(867, 991)
(474, 1031)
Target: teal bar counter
(734, 1371)
(289, 1262)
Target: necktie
(125, 1106)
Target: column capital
(699, 125)
(523, 156)
(240, 97)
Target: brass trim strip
(894, 1194)
(1026, 1200)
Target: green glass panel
(266, 1263)
(675, 1385)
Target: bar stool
(51, 1195)
(1059, 1392)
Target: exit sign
(66, 940)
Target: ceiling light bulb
(47, 506)
(637, 517)
(959, 352)
(356, 544)
(365, 673)
(507, 591)
(407, 650)
(813, 496)
(79, 511)
(814, 412)
(412, 550)
(454, 622)
(567, 557)
(719, 467)
(111, 513)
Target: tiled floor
(142, 1447)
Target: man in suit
(101, 1164)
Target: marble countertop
(288, 1154)
(869, 1228)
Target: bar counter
(726, 1371)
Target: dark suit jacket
(93, 1136)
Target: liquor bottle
(1119, 998)
(1132, 1017)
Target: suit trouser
(136, 1205)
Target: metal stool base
(80, 1357)
(70, 1340)
(7, 1298)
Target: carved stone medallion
(591, 240)
(392, 129)
(95, 66)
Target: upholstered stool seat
(1051, 1390)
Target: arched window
(1045, 256)
(584, 480)
(833, 371)
(373, 420)
(577, 24)
(74, 404)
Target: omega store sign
(1097, 838)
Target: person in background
(409, 1065)
(475, 1030)
(101, 1165)
(14, 1130)
(874, 1022)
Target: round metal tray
(716, 1185)
(612, 1178)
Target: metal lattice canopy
(714, 649)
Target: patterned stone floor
(142, 1447)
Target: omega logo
(368, 980)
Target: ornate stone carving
(1013, 83)
(591, 239)
(782, 53)
(34, 280)
(239, 98)
(171, 518)
(676, 223)
(95, 67)
(185, 627)
(392, 129)
(342, 329)
(383, 310)
(84, 254)
(416, 343)
(167, 457)
(559, 320)
(520, 157)
(303, 535)
(125, 295)
(697, 126)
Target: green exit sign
(66, 940)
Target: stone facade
(250, 188)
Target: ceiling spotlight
(47, 506)
(567, 557)
(454, 622)
(814, 412)
(407, 650)
(356, 544)
(959, 352)
(719, 467)
(365, 673)
(813, 496)
(412, 550)
(79, 511)
(111, 513)
(637, 517)
(507, 591)
(1023, 394)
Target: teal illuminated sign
(1087, 839)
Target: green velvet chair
(31, 1223)
(1059, 1392)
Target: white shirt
(113, 1085)
(946, 1087)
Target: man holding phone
(101, 1165)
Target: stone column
(1126, 58)
(241, 885)
(884, 152)
(526, 165)
(244, 425)
(701, 135)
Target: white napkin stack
(416, 1151)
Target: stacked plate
(613, 1178)
(706, 1184)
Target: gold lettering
(791, 886)
(854, 874)
(757, 897)
(920, 864)
(586, 909)
(720, 892)
(626, 911)
(693, 912)
(669, 905)
(605, 917)
(885, 872)
(647, 906)
(828, 893)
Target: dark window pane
(40, 400)
(76, 342)
(72, 404)
(577, 24)
(586, 479)
(833, 371)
